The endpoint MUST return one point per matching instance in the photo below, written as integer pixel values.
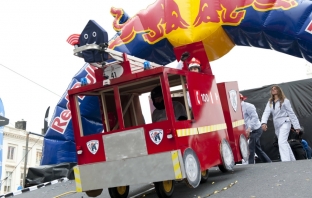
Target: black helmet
(156, 92)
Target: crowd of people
(288, 132)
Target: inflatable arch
(155, 33)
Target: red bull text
(165, 16)
(59, 123)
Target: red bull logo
(59, 123)
(187, 21)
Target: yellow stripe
(187, 132)
(176, 165)
(77, 179)
(203, 129)
(211, 128)
(238, 123)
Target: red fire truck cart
(135, 151)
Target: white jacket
(280, 114)
(250, 115)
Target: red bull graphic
(233, 12)
(153, 26)
(219, 24)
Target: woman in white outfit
(283, 115)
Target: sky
(37, 64)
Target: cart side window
(108, 110)
(179, 92)
(135, 103)
(90, 121)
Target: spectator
(283, 115)
(307, 148)
(253, 131)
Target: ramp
(276, 180)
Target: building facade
(13, 157)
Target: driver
(159, 114)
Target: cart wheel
(204, 176)
(119, 192)
(164, 189)
(94, 193)
(192, 168)
(243, 145)
(226, 156)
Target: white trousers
(285, 151)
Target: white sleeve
(188, 99)
(252, 113)
(292, 116)
(266, 113)
(180, 65)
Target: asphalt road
(276, 180)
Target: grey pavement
(276, 180)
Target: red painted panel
(207, 111)
(165, 144)
(87, 157)
(232, 114)
(204, 95)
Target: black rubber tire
(191, 163)
(119, 192)
(164, 189)
(222, 168)
(94, 193)
(204, 176)
(226, 166)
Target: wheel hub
(228, 158)
(121, 190)
(204, 173)
(191, 167)
(167, 185)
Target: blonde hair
(280, 94)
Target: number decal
(113, 75)
(205, 97)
